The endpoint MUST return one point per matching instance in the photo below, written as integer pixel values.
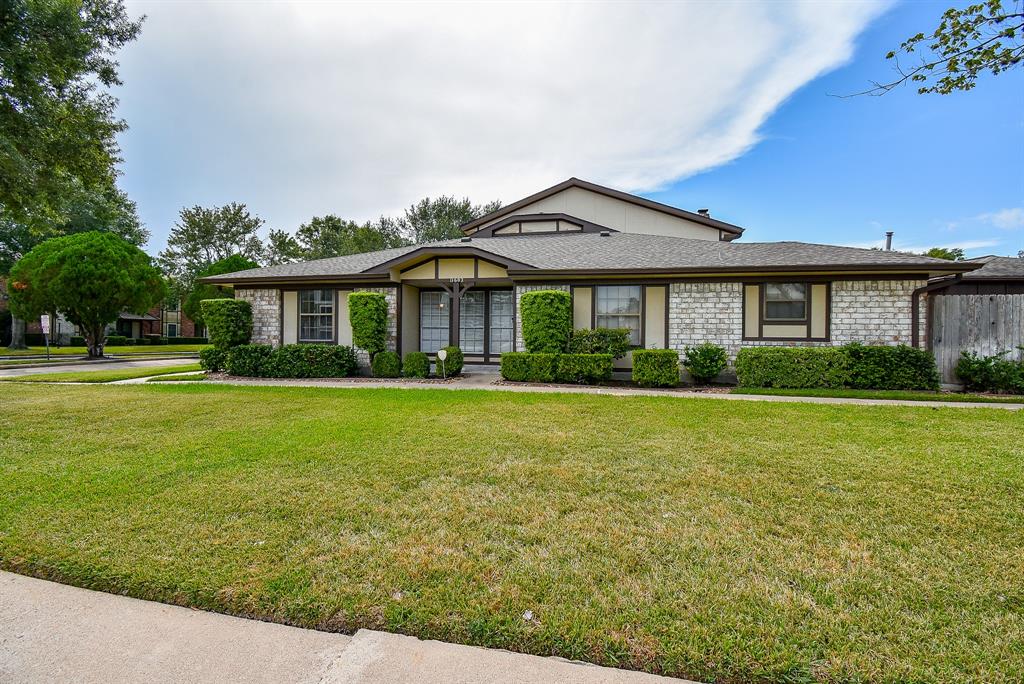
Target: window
(172, 330)
(316, 315)
(785, 302)
(471, 322)
(434, 312)
(501, 321)
(618, 306)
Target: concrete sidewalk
(55, 633)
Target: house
(674, 278)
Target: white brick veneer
(520, 290)
(266, 314)
(868, 311)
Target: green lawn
(97, 376)
(906, 395)
(179, 378)
(128, 350)
(720, 540)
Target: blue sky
(302, 109)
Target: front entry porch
(480, 320)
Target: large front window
(434, 317)
(471, 322)
(785, 302)
(501, 321)
(618, 306)
(316, 315)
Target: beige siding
(751, 316)
(344, 326)
(489, 270)
(654, 317)
(456, 268)
(539, 227)
(617, 214)
(819, 310)
(410, 319)
(790, 330)
(290, 315)
(423, 271)
(582, 304)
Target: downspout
(915, 305)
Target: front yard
(718, 540)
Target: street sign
(44, 321)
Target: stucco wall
(520, 290)
(266, 314)
(868, 311)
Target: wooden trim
(808, 319)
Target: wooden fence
(983, 324)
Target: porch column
(455, 290)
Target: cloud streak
(356, 109)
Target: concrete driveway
(87, 366)
(55, 633)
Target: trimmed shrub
(77, 341)
(584, 369)
(705, 362)
(212, 359)
(891, 368)
(453, 364)
(656, 367)
(614, 341)
(311, 361)
(229, 321)
(416, 365)
(793, 367)
(526, 367)
(547, 320)
(247, 360)
(386, 364)
(154, 338)
(991, 373)
(187, 340)
(368, 315)
(116, 340)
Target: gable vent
(605, 233)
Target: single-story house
(674, 278)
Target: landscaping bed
(904, 395)
(719, 541)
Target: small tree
(200, 292)
(547, 321)
(89, 277)
(228, 322)
(368, 315)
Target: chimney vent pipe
(888, 241)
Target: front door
(485, 322)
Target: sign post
(44, 322)
(441, 356)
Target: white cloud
(1007, 219)
(360, 109)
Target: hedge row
(850, 366)
(656, 367)
(569, 368)
(287, 361)
(991, 373)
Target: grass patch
(96, 376)
(192, 377)
(726, 541)
(121, 350)
(906, 395)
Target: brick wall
(266, 314)
(520, 290)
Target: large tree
(330, 236)
(432, 220)
(192, 304)
(89, 277)
(203, 236)
(985, 37)
(950, 253)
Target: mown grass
(726, 541)
(906, 395)
(191, 377)
(98, 376)
(119, 350)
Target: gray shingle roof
(626, 252)
(997, 267)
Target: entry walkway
(55, 633)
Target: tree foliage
(949, 253)
(546, 320)
(433, 220)
(200, 292)
(57, 124)
(368, 316)
(89, 277)
(981, 38)
(330, 235)
(203, 236)
(229, 322)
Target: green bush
(116, 340)
(656, 367)
(584, 369)
(416, 365)
(187, 340)
(368, 315)
(212, 358)
(311, 361)
(705, 362)
(526, 367)
(77, 341)
(386, 364)
(140, 340)
(547, 321)
(891, 368)
(247, 360)
(155, 338)
(991, 373)
(453, 364)
(614, 341)
(793, 367)
(229, 321)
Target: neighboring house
(674, 278)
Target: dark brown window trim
(298, 316)
(761, 321)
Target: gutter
(915, 305)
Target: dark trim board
(558, 218)
(807, 321)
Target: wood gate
(983, 324)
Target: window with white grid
(471, 322)
(434, 317)
(316, 315)
(618, 306)
(501, 321)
